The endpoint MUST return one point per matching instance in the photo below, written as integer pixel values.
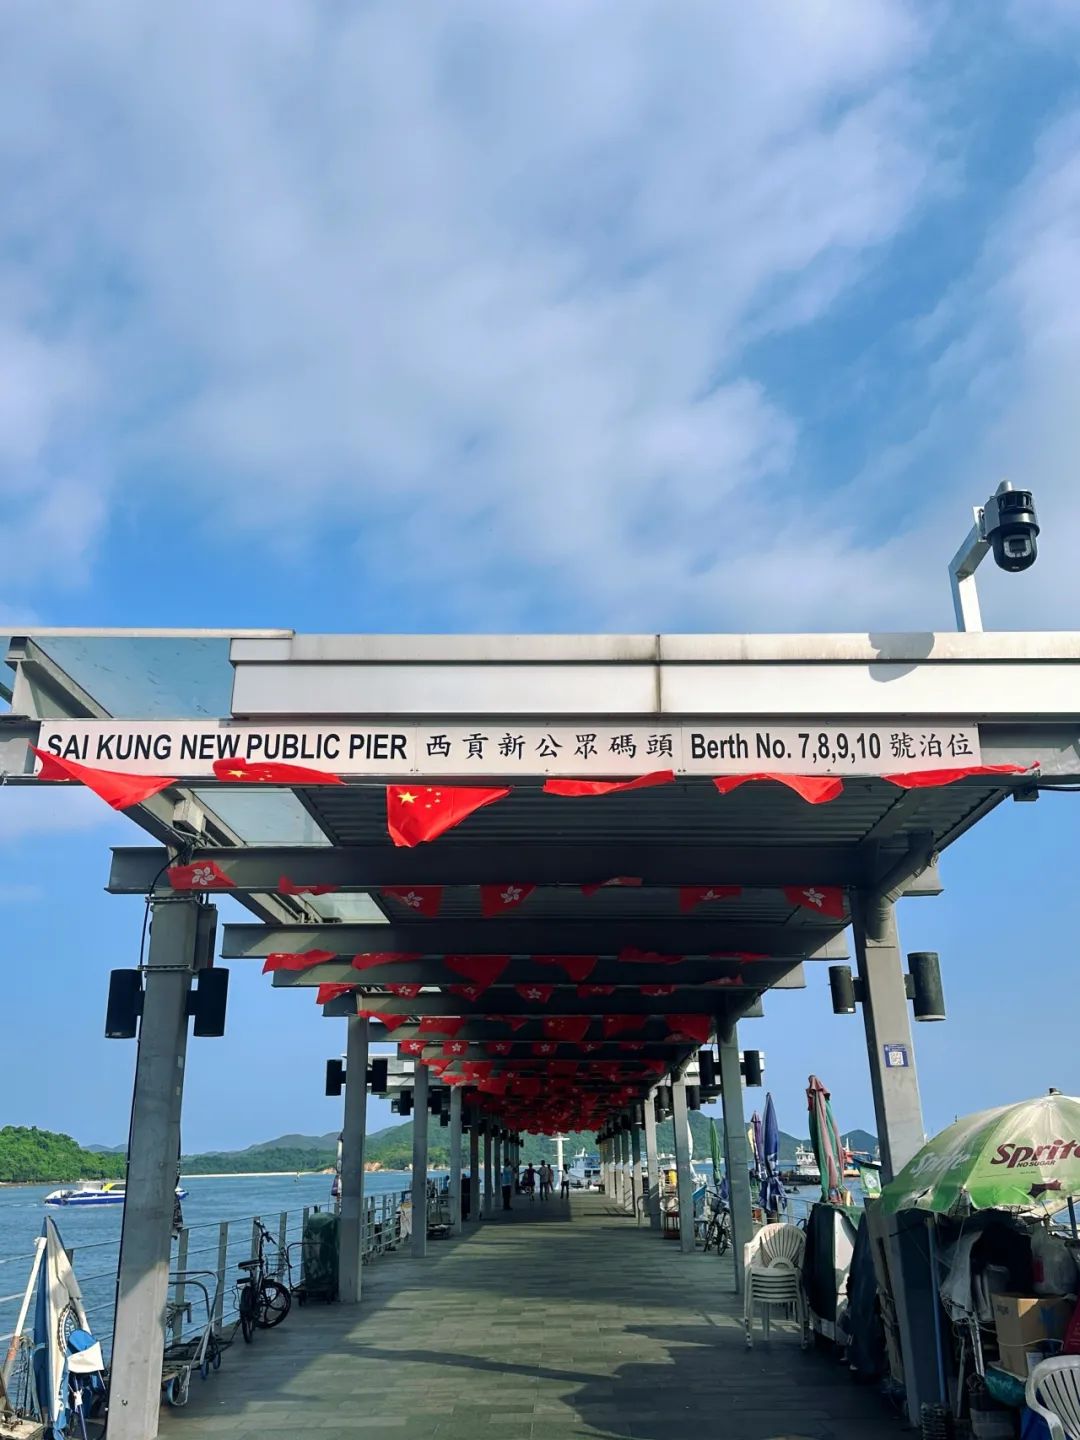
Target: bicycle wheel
(275, 1302)
(723, 1235)
(246, 1308)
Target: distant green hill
(31, 1155)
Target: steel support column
(635, 1171)
(489, 1173)
(153, 1153)
(681, 1124)
(474, 1170)
(736, 1157)
(893, 1077)
(625, 1196)
(353, 1133)
(421, 1116)
(652, 1165)
(497, 1166)
(455, 1161)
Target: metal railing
(213, 1248)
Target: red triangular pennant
(481, 969)
(391, 1022)
(244, 772)
(286, 887)
(588, 992)
(415, 813)
(325, 993)
(375, 958)
(567, 1027)
(441, 1024)
(421, 899)
(657, 990)
(536, 994)
(290, 960)
(619, 1024)
(825, 899)
(691, 896)
(814, 789)
(514, 1021)
(497, 899)
(691, 1027)
(647, 957)
(607, 787)
(921, 779)
(203, 875)
(577, 967)
(478, 1069)
(617, 882)
(115, 787)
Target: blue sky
(597, 316)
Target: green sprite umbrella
(1015, 1157)
(714, 1148)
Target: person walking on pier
(546, 1180)
(507, 1184)
(566, 1182)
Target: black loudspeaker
(663, 1101)
(211, 1001)
(752, 1066)
(404, 1104)
(842, 986)
(378, 1072)
(125, 1005)
(693, 1097)
(928, 997)
(435, 1101)
(335, 1077)
(707, 1068)
(638, 1116)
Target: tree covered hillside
(31, 1155)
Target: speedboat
(112, 1192)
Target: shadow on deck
(553, 1321)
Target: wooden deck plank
(557, 1321)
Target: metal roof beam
(476, 1029)
(546, 937)
(690, 974)
(564, 1002)
(374, 867)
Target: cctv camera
(1011, 526)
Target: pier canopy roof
(553, 953)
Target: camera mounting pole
(962, 569)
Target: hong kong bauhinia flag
(246, 772)
(497, 899)
(421, 899)
(201, 875)
(415, 813)
(112, 786)
(825, 899)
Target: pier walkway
(553, 1322)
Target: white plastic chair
(1053, 1391)
(772, 1276)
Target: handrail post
(181, 1288)
(222, 1266)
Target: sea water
(93, 1232)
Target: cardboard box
(1022, 1321)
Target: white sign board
(188, 749)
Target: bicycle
(263, 1301)
(718, 1230)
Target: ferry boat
(585, 1171)
(111, 1192)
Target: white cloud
(482, 277)
(27, 810)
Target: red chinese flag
(480, 969)
(497, 899)
(616, 883)
(607, 787)
(325, 993)
(422, 899)
(374, 958)
(113, 786)
(407, 992)
(693, 1027)
(536, 994)
(286, 887)
(203, 875)
(589, 992)
(577, 967)
(825, 899)
(415, 813)
(291, 960)
(619, 1024)
(921, 779)
(634, 956)
(391, 1022)
(514, 1021)
(411, 1047)
(567, 1027)
(814, 789)
(655, 990)
(691, 896)
(441, 1025)
(245, 772)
